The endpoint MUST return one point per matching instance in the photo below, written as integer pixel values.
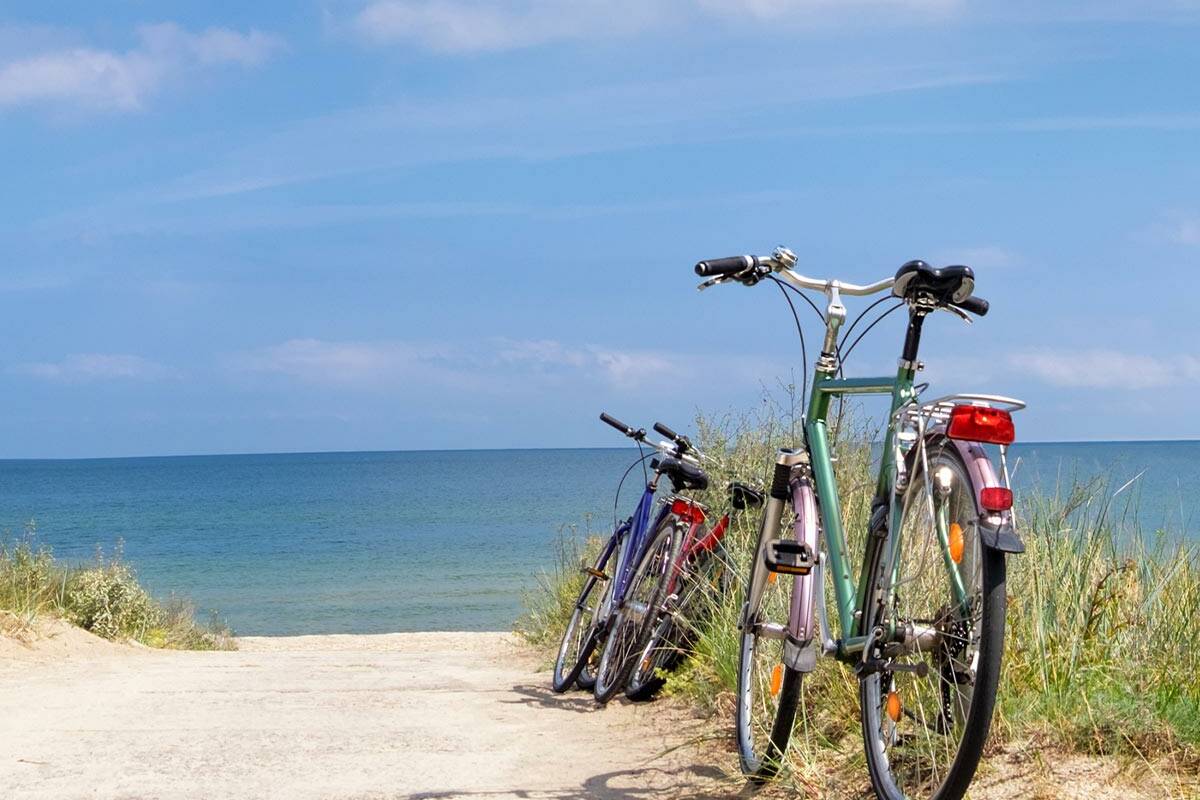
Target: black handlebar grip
(724, 266)
(616, 423)
(665, 431)
(976, 305)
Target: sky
(415, 224)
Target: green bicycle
(923, 624)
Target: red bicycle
(699, 573)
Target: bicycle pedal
(789, 557)
(595, 573)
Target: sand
(422, 715)
(397, 716)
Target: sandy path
(393, 716)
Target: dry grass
(103, 597)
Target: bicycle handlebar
(976, 305)
(632, 433)
(665, 431)
(725, 266)
(750, 269)
(684, 443)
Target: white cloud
(87, 367)
(1106, 369)
(461, 26)
(492, 365)
(1183, 230)
(617, 367)
(110, 80)
(979, 258)
(318, 361)
(775, 9)
(458, 26)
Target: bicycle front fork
(790, 484)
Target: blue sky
(443, 223)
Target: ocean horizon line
(265, 453)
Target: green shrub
(104, 598)
(108, 601)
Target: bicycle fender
(998, 534)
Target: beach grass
(1102, 647)
(102, 596)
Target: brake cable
(621, 483)
(803, 350)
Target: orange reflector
(776, 680)
(772, 577)
(956, 542)
(893, 706)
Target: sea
(421, 540)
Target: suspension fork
(772, 518)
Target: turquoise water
(370, 542)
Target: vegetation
(103, 597)
(550, 603)
(1102, 645)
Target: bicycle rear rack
(915, 420)
(937, 412)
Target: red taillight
(996, 498)
(688, 512)
(981, 424)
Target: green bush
(104, 598)
(108, 601)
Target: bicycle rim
(924, 734)
(579, 638)
(768, 690)
(640, 609)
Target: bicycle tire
(667, 643)
(581, 630)
(761, 758)
(640, 609)
(976, 721)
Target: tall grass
(551, 601)
(1103, 646)
(103, 597)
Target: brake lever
(747, 277)
(958, 312)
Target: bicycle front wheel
(768, 689)
(580, 637)
(925, 718)
(642, 607)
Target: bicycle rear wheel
(925, 724)
(699, 584)
(580, 637)
(641, 608)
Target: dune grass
(103, 597)
(1102, 648)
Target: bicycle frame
(801, 477)
(630, 536)
(851, 596)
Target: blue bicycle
(602, 638)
